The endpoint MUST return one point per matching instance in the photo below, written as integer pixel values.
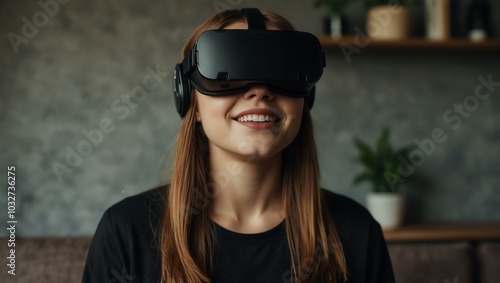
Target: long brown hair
(187, 236)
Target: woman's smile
(258, 118)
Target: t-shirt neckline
(251, 239)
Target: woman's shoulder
(362, 238)
(141, 209)
(344, 204)
(126, 240)
(347, 212)
(142, 199)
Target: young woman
(244, 202)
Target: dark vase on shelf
(335, 25)
(478, 20)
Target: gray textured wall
(73, 73)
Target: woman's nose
(260, 91)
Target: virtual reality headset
(226, 62)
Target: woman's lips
(254, 114)
(257, 118)
(258, 125)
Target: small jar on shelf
(478, 20)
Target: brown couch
(48, 259)
(54, 260)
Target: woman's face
(255, 124)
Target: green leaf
(380, 161)
(383, 143)
(334, 6)
(361, 177)
(363, 147)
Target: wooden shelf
(414, 45)
(445, 232)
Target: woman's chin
(260, 156)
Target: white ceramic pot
(335, 26)
(386, 208)
(388, 22)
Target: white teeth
(256, 118)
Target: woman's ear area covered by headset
(182, 91)
(229, 61)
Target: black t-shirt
(124, 247)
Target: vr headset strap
(254, 17)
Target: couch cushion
(489, 260)
(47, 259)
(431, 262)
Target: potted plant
(388, 19)
(381, 165)
(335, 23)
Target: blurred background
(76, 67)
